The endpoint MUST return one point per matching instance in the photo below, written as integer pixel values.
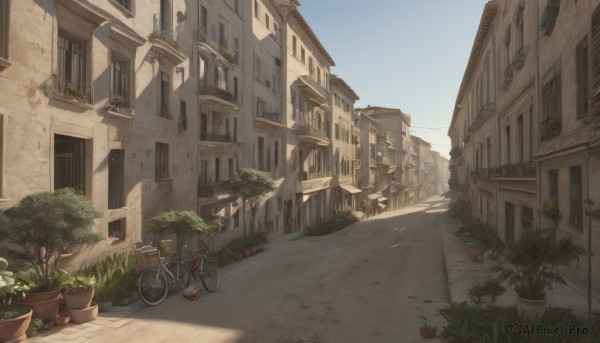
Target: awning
(381, 206)
(381, 199)
(350, 189)
(374, 196)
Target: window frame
(116, 159)
(161, 161)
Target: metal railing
(315, 84)
(215, 91)
(161, 33)
(271, 116)
(214, 137)
(520, 170)
(81, 93)
(312, 128)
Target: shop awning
(380, 199)
(350, 189)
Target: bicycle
(157, 276)
(204, 267)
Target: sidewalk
(464, 274)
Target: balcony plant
(551, 209)
(14, 320)
(73, 91)
(529, 266)
(550, 128)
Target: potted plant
(85, 315)
(78, 291)
(62, 319)
(75, 94)
(14, 320)
(427, 330)
(41, 227)
(529, 267)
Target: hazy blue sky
(407, 54)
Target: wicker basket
(146, 258)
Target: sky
(406, 54)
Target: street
(366, 283)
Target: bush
(224, 256)
(336, 223)
(35, 326)
(460, 210)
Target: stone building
(345, 148)
(524, 129)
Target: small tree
(46, 225)
(250, 185)
(183, 224)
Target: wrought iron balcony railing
(215, 91)
(215, 137)
(79, 92)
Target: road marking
(400, 228)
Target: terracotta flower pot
(475, 253)
(13, 329)
(260, 248)
(237, 256)
(78, 300)
(85, 315)
(253, 250)
(246, 252)
(62, 319)
(45, 309)
(428, 333)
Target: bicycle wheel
(152, 287)
(181, 273)
(209, 274)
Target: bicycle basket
(146, 258)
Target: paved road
(366, 283)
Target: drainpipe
(534, 129)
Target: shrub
(224, 256)
(460, 210)
(339, 221)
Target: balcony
(212, 192)
(215, 137)
(77, 94)
(269, 120)
(163, 43)
(216, 98)
(384, 160)
(120, 107)
(481, 174)
(514, 171)
(312, 182)
(314, 88)
(218, 50)
(312, 131)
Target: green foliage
(460, 210)
(426, 325)
(483, 234)
(251, 185)
(45, 225)
(529, 264)
(72, 90)
(224, 256)
(339, 221)
(115, 276)
(35, 326)
(551, 209)
(183, 224)
(491, 288)
(78, 283)
(10, 287)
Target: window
(4, 28)
(267, 21)
(553, 183)
(337, 131)
(293, 101)
(294, 44)
(337, 100)
(126, 4)
(223, 32)
(302, 55)
(165, 17)
(161, 168)
(235, 129)
(165, 94)
(116, 178)
(203, 24)
(520, 137)
(261, 154)
(526, 218)
(509, 222)
(519, 26)
(575, 208)
(581, 61)
(182, 124)
(256, 13)
(120, 80)
(508, 157)
(230, 167)
(217, 169)
(551, 94)
(235, 88)
(311, 68)
(258, 69)
(72, 66)
(116, 229)
(69, 163)
(276, 154)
